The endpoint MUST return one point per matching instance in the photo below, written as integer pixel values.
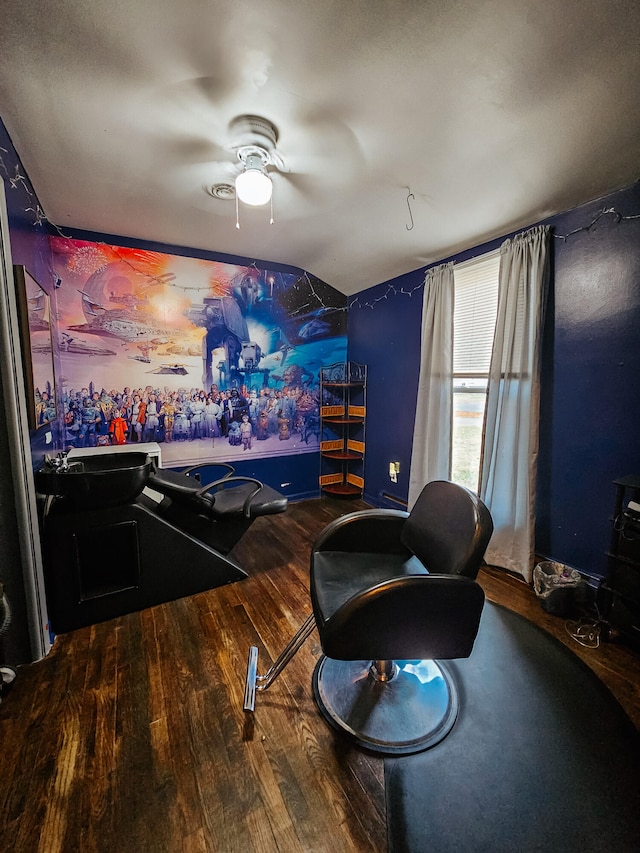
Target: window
(474, 320)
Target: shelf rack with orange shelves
(343, 411)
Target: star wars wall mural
(213, 361)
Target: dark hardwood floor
(130, 735)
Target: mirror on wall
(34, 310)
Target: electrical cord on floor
(586, 630)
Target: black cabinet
(101, 563)
(343, 411)
(621, 588)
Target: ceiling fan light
(253, 186)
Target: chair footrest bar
(250, 682)
(256, 682)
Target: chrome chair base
(400, 708)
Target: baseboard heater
(393, 500)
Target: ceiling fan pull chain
(237, 214)
(271, 220)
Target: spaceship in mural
(129, 300)
(275, 360)
(171, 369)
(77, 347)
(125, 324)
(249, 290)
(321, 323)
(37, 311)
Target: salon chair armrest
(371, 530)
(216, 485)
(191, 468)
(403, 618)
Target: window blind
(474, 318)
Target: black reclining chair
(392, 592)
(219, 512)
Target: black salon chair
(393, 595)
(218, 512)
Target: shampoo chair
(218, 512)
(120, 535)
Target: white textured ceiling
(494, 114)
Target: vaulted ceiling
(407, 130)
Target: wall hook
(411, 195)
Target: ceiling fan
(253, 141)
(210, 129)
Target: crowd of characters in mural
(95, 418)
(187, 350)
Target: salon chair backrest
(448, 529)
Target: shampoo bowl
(96, 482)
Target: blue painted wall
(386, 337)
(591, 365)
(591, 379)
(28, 232)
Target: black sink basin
(96, 482)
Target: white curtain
(510, 450)
(431, 453)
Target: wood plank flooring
(130, 736)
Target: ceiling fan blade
(305, 185)
(324, 147)
(204, 175)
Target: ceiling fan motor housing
(253, 131)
